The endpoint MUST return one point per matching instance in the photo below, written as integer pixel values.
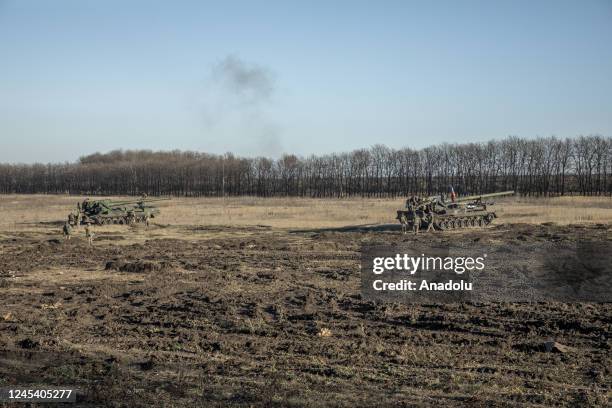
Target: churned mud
(257, 316)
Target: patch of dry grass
(280, 212)
(560, 210)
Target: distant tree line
(543, 166)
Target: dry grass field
(27, 211)
(256, 302)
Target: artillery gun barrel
(481, 196)
(114, 203)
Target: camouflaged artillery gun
(103, 212)
(446, 214)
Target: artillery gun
(446, 214)
(103, 212)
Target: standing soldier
(89, 234)
(78, 218)
(416, 225)
(430, 219)
(146, 220)
(407, 217)
(404, 223)
(67, 231)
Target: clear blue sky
(308, 77)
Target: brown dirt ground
(262, 316)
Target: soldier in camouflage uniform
(430, 218)
(416, 224)
(89, 234)
(409, 217)
(404, 223)
(67, 231)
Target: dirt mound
(135, 266)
